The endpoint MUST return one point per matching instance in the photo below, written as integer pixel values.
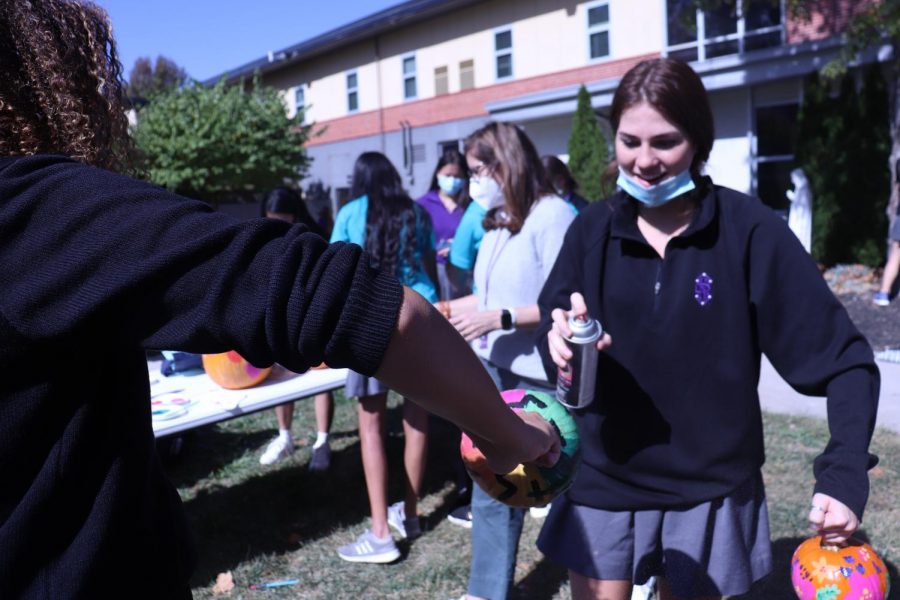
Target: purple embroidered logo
(703, 289)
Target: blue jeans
(496, 527)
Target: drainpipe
(407, 150)
(378, 84)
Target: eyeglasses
(479, 169)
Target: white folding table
(182, 402)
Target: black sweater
(94, 268)
(677, 418)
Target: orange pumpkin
(852, 571)
(232, 371)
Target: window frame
(466, 70)
(498, 53)
(592, 29)
(301, 89)
(446, 78)
(407, 77)
(740, 35)
(352, 90)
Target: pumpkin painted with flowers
(850, 571)
(232, 371)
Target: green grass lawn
(281, 522)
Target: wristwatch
(506, 319)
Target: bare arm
(428, 361)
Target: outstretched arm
(428, 362)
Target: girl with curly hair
(94, 264)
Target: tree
(842, 144)
(148, 80)
(865, 24)
(588, 150)
(221, 142)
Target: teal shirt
(467, 239)
(350, 226)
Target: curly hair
(61, 88)
(391, 216)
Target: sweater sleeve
(88, 254)
(810, 340)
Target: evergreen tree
(588, 150)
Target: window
(503, 53)
(467, 75)
(441, 81)
(776, 130)
(352, 92)
(732, 28)
(598, 30)
(409, 77)
(300, 102)
(448, 145)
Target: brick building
(417, 77)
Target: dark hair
(506, 150)
(676, 91)
(557, 169)
(289, 201)
(452, 156)
(61, 88)
(391, 212)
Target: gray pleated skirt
(716, 548)
(361, 385)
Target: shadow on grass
(279, 510)
(543, 581)
(777, 584)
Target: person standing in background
(563, 182)
(892, 266)
(525, 224)
(446, 201)
(285, 204)
(397, 234)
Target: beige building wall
(547, 37)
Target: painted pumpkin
(232, 371)
(529, 485)
(830, 572)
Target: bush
(222, 141)
(843, 148)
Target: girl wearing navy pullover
(694, 282)
(94, 264)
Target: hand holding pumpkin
(832, 519)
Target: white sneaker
(277, 449)
(406, 528)
(369, 549)
(539, 512)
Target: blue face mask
(658, 194)
(449, 185)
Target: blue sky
(208, 37)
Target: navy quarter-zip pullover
(677, 420)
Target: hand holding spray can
(575, 385)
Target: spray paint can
(575, 385)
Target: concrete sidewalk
(777, 396)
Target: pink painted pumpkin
(852, 571)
